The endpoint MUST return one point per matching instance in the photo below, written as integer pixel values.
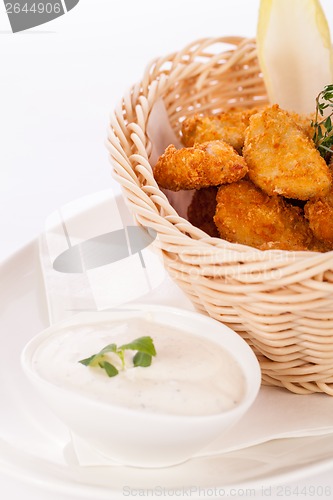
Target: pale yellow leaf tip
(294, 52)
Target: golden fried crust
(246, 215)
(229, 126)
(202, 209)
(319, 212)
(208, 164)
(282, 159)
(304, 122)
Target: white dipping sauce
(188, 376)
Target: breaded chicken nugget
(246, 215)
(202, 209)
(228, 126)
(282, 159)
(208, 164)
(319, 212)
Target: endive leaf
(294, 51)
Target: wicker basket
(280, 302)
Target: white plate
(35, 446)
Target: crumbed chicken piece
(281, 157)
(247, 215)
(202, 209)
(208, 164)
(319, 213)
(228, 126)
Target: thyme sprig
(323, 128)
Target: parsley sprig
(145, 351)
(323, 129)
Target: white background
(58, 83)
(60, 80)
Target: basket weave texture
(280, 302)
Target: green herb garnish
(145, 351)
(323, 134)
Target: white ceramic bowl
(137, 437)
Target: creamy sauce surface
(188, 376)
